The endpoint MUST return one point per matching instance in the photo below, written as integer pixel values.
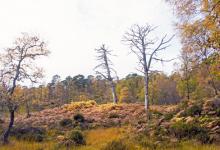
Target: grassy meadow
(96, 139)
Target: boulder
(180, 113)
(215, 129)
(176, 119)
(1, 121)
(215, 138)
(189, 119)
(213, 124)
(166, 125)
(211, 112)
(60, 138)
(212, 104)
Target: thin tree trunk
(27, 110)
(110, 79)
(209, 73)
(214, 87)
(146, 96)
(213, 83)
(212, 79)
(7, 132)
(114, 95)
(187, 86)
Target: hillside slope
(98, 115)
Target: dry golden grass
(25, 145)
(98, 138)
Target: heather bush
(113, 115)
(29, 134)
(168, 115)
(79, 118)
(204, 138)
(116, 145)
(77, 137)
(66, 123)
(194, 110)
(218, 112)
(188, 130)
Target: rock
(215, 129)
(160, 121)
(157, 142)
(60, 138)
(203, 112)
(212, 104)
(189, 119)
(176, 119)
(166, 125)
(1, 121)
(173, 140)
(211, 113)
(213, 124)
(180, 113)
(215, 137)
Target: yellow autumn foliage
(79, 105)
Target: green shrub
(77, 137)
(113, 115)
(145, 141)
(160, 131)
(116, 145)
(204, 138)
(183, 104)
(156, 113)
(66, 122)
(148, 144)
(168, 116)
(218, 112)
(29, 134)
(194, 110)
(79, 118)
(186, 130)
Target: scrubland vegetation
(147, 111)
(88, 125)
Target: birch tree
(146, 48)
(106, 67)
(17, 67)
(186, 72)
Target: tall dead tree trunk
(146, 89)
(106, 65)
(114, 95)
(146, 48)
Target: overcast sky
(74, 28)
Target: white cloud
(74, 28)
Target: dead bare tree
(106, 65)
(145, 47)
(17, 67)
